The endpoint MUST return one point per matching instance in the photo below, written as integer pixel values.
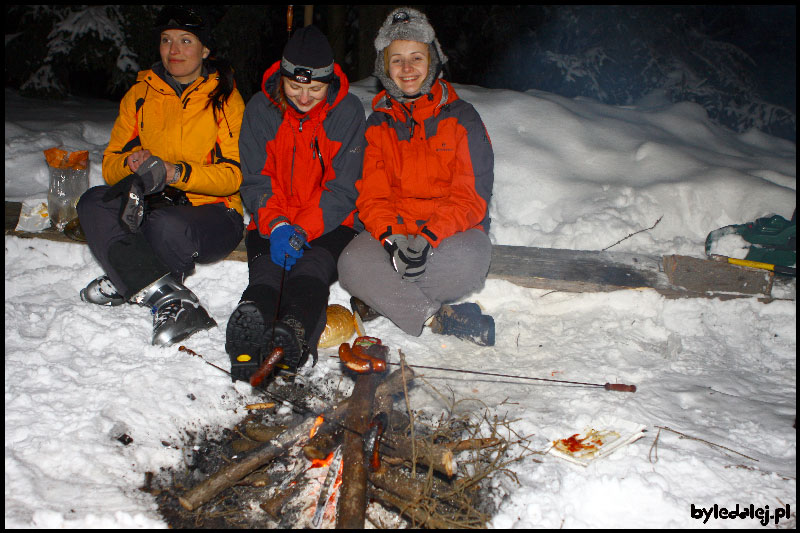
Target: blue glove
(286, 245)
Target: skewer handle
(620, 387)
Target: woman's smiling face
(305, 96)
(408, 65)
(182, 54)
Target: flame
(317, 423)
(338, 479)
(319, 463)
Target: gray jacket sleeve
(259, 125)
(345, 125)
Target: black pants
(306, 286)
(178, 236)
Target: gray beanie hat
(407, 24)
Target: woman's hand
(170, 173)
(136, 159)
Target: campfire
(364, 457)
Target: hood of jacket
(430, 104)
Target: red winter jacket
(428, 167)
(301, 168)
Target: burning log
(233, 472)
(326, 437)
(352, 505)
(321, 445)
(291, 487)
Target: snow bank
(569, 174)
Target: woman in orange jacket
(302, 148)
(173, 174)
(424, 195)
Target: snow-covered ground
(568, 174)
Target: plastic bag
(69, 179)
(33, 216)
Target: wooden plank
(576, 270)
(701, 274)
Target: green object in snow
(772, 239)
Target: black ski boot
(102, 292)
(177, 312)
(466, 322)
(290, 335)
(244, 341)
(249, 341)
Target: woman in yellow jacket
(172, 168)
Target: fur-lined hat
(407, 24)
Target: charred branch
(237, 469)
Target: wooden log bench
(674, 276)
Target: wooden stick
(236, 470)
(438, 456)
(231, 473)
(685, 436)
(418, 516)
(324, 441)
(472, 444)
(256, 406)
(398, 482)
(430, 502)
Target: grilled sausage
(353, 362)
(266, 367)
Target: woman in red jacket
(302, 147)
(424, 195)
(172, 168)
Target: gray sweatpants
(457, 267)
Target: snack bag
(69, 179)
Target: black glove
(416, 257)
(150, 178)
(396, 246)
(407, 256)
(154, 175)
(132, 211)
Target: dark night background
(738, 62)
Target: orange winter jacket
(301, 168)
(180, 129)
(428, 167)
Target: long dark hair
(225, 84)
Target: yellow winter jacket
(180, 130)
